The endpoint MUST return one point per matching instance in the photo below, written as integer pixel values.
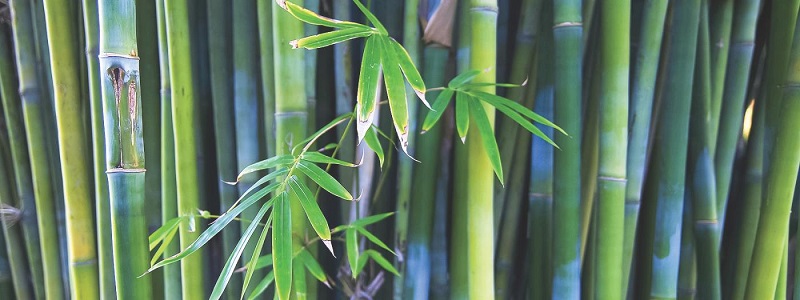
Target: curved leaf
(326, 39)
(368, 81)
(487, 136)
(313, 267)
(162, 232)
(313, 18)
(372, 18)
(252, 265)
(439, 106)
(323, 179)
(462, 115)
(261, 181)
(333, 123)
(409, 70)
(282, 246)
(268, 163)
(371, 219)
(262, 286)
(316, 157)
(463, 78)
(351, 247)
(374, 239)
(313, 213)
(497, 101)
(522, 122)
(373, 143)
(396, 91)
(385, 264)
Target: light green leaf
(439, 106)
(487, 136)
(233, 259)
(374, 239)
(262, 286)
(299, 286)
(371, 219)
(332, 124)
(521, 121)
(217, 226)
(472, 85)
(497, 101)
(257, 184)
(368, 82)
(372, 18)
(164, 244)
(373, 143)
(255, 261)
(313, 267)
(462, 115)
(326, 39)
(396, 90)
(316, 157)
(313, 18)
(463, 78)
(351, 247)
(362, 262)
(314, 214)
(262, 261)
(282, 246)
(385, 264)
(280, 160)
(324, 180)
(162, 232)
(409, 70)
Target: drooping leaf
(233, 259)
(462, 115)
(262, 286)
(463, 78)
(514, 115)
(498, 101)
(162, 232)
(372, 18)
(409, 70)
(164, 244)
(439, 106)
(313, 212)
(396, 91)
(262, 261)
(374, 239)
(373, 143)
(215, 228)
(313, 18)
(326, 39)
(332, 124)
(487, 136)
(385, 264)
(313, 267)
(272, 162)
(371, 219)
(368, 81)
(362, 262)
(259, 183)
(324, 180)
(282, 246)
(255, 261)
(316, 157)
(351, 247)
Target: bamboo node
(567, 24)
(611, 178)
(9, 214)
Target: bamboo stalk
(14, 245)
(720, 27)
(590, 154)
(343, 79)
(184, 123)
(567, 32)
(72, 140)
(267, 72)
(780, 288)
(6, 282)
(29, 92)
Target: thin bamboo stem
(6, 282)
(14, 245)
(720, 27)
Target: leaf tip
(421, 95)
(294, 44)
(330, 248)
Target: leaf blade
(439, 106)
(368, 82)
(324, 180)
(396, 91)
(487, 137)
(282, 246)
(329, 38)
(409, 70)
(462, 115)
(312, 210)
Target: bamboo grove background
(674, 177)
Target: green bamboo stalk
(124, 146)
(72, 139)
(687, 269)
(665, 183)
(734, 96)
(6, 282)
(721, 19)
(267, 72)
(29, 91)
(13, 234)
(615, 30)
(20, 164)
(343, 79)
(220, 39)
(590, 154)
(311, 78)
(780, 289)
(184, 124)
(567, 32)
(105, 261)
(780, 181)
(643, 82)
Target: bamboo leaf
(463, 78)
(262, 261)
(314, 214)
(164, 244)
(272, 162)
(374, 239)
(396, 91)
(362, 262)
(313, 18)
(472, 85)
(299, 286)
(371, 219)
(162, 232)
(316, 157)
(372, 18)
(462, 115)
(439, 106)
(368, 81)
(498, 101)
(313, 267)
(514, 115)
(262, 286)
(257, 184)
(329, 38)
(217, 226)
(282, 246)
(252, 265)
(332, 124)
(409, 70)
(487, 137)
(351, 247)
(373, 143)
(233, 259)
(325, 180)
(385, 264)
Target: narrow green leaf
(326, 39)
(463, 78)
(233, 259)
(351, 247)
(498, 101)
(487, 136)
(396, 91)
(262, 286)
(439, 106)
(371, 219)
(255, 260)
(325, 180)
(164, 244)
(514, 115)
(332, 124)
(409, 70)
(217, 226)
(313, 18)
(313, 267)
(316, 157)
(299, 286)
(259, 183)
(163, 231)
(385, 264)
(472, 85)
(362, 262)
(282, 246)
(268, 163)
(368, 82)
(314, 214)
(462, 115)
(373, 143)
(374, 239)
(262, 261)
(372, 18)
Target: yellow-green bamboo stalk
(6, 282)
(73, 141)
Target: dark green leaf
(522, 122)
(371, 219)
(487, 136)
(255, 261)
(385, 264)
(409, 70)
(396, 90)
(262, 286)
(313, 18)
(463, 78)
(282, 246)
(299, 286)
(439, 106)
(314, 214)
(373, 143)
(268, 163)
(497, 101)
(462, 115)
(368, 82)
(326, 39)
(351, 247)
(372, 18)
(316, 157)
(313, 266)
(324, 180)
(374, 239)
